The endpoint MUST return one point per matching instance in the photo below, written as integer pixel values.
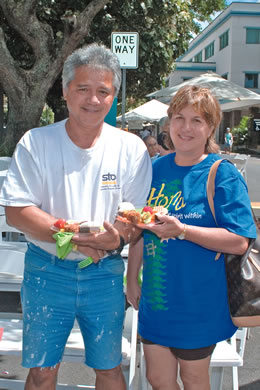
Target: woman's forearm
(217, 239)
(135, 259)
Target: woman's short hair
(204, 102)
(95, 56)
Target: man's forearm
(32, 221)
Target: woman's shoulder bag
(243, 272)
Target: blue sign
(257, 124)
(111, 116)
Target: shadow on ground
(252, 152)
(251, 386)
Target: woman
(183, 310)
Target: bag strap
(211, 191)
(211, 194)
(211, 186)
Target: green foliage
(165, 28)
(36, 36)
(240, 133)
(47, 116)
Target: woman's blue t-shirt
(184, 293)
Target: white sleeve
(138, 185)
(23, 183)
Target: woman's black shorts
(188, 354)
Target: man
(80, 169)
(152, 146)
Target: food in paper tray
(71, 226)
(127, 213)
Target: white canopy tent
(151, 111)
(230, 95)
(238, 104)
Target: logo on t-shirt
(109, 181)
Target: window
(209, 51)
(198, 57)
(251, 80)
(253, 35)
(223, 40)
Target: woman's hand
(215, 239)
(167, 227)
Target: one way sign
(125, 45)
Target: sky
(228, 2)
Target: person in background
(183, 310)
(78, 169)
(164, 124)
(144, 133)
(165, 143)
(228, 141)
(152, 146)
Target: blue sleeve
(232, 203)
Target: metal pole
(123, 97)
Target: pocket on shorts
(114, 265)
(34, 262)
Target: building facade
(230, 47)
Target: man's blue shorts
(55, 292)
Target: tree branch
(81, 27)
(21, 16)
(10, 79)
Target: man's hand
(95, 254)
(107, 240)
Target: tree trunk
(20, 119)
(27, 87)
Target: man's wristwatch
(118, 250)
(183, 233)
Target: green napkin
(63, 244)
(64, 247)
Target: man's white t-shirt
(49, 171)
